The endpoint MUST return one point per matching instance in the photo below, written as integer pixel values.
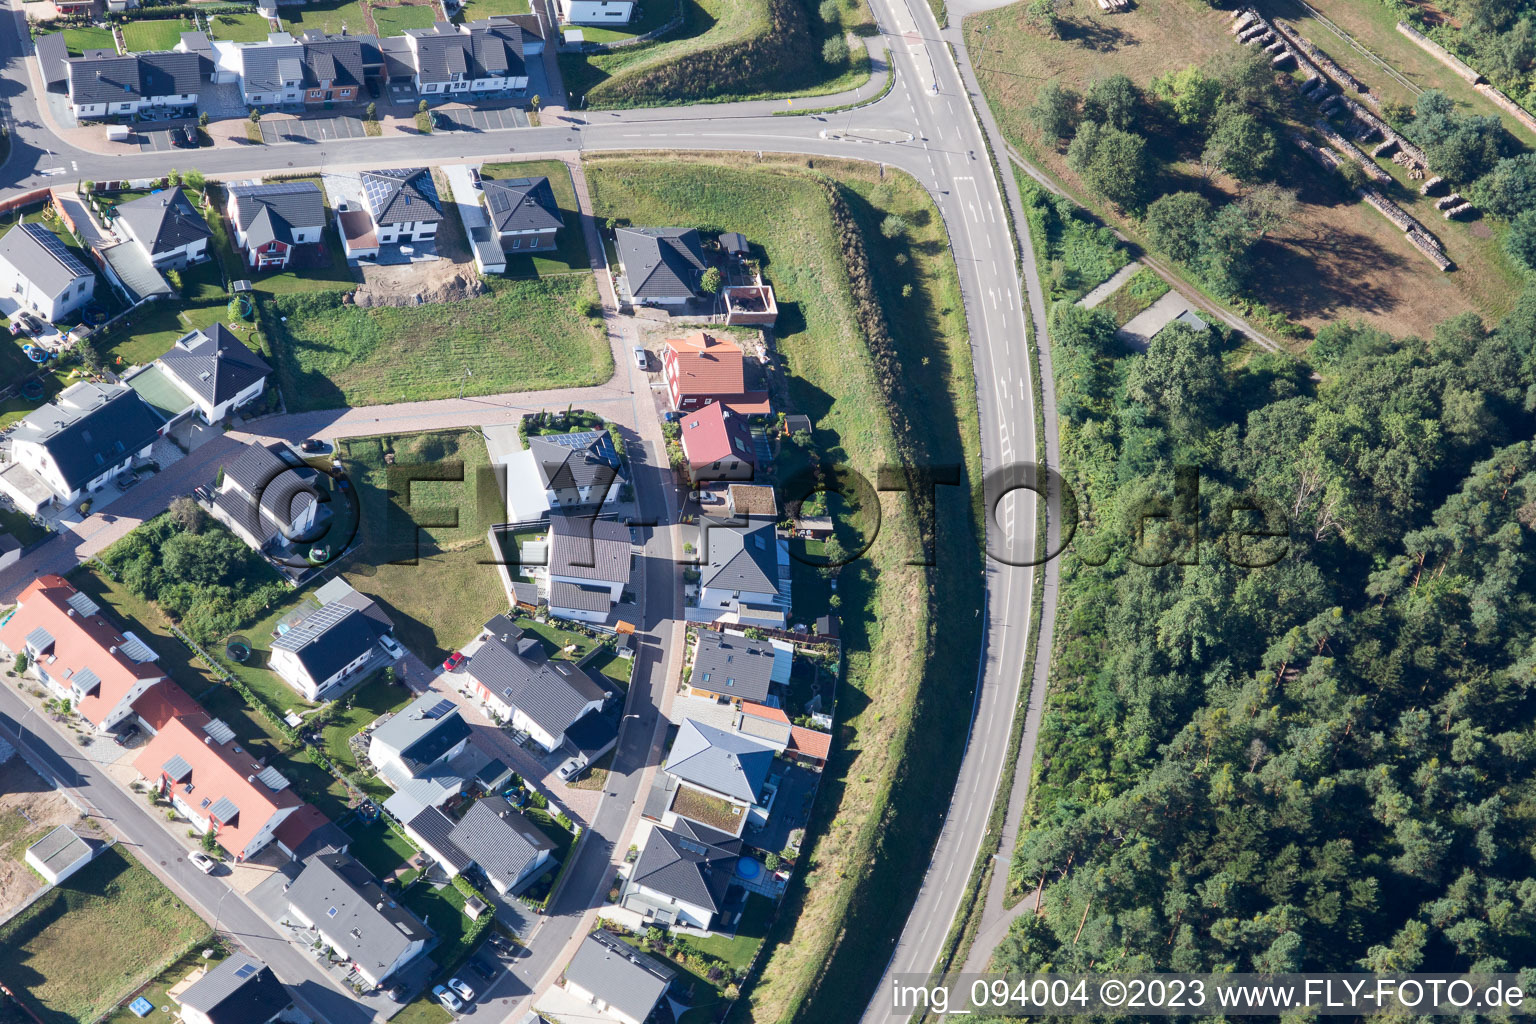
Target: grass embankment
(725, 50)
(1336, 258)
(902, 714)
(517, 336)
(423, 555)
(106, 930)
(395, 19)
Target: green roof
(162, 395)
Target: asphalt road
(943, 148)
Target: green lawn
(393, 21)
(334, 274)
(150, 331)
(157, 991)
(89, 37)
(21, 527)
(160, 34)
(424, 1010)
(240, 28)
(570, 254)
(54, 381)
(378, 847)
(704, 998)
(329, 16)
(474, 10)
(443, 911)
(557, 638)
(255, 673)
(104, 932)
(517, 336)
(1135, 295)
(438, 583)
(376, 697)
(649, 16)
(612, 666)
(739, 949)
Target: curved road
(930, 107)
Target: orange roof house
(163, 702)
(701, 368)
(197, 762)
(77, 654)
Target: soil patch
(30, 808)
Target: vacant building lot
(516, 336)
(107, 930)
(30, 808)
(1336, 258)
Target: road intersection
(931, 124)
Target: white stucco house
(597, 12)
(216, 371)
(39, 275)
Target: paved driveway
(463, 119)
(153, 140)
(312, 129)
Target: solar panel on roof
(440, 709)
(219, 731)
(245, 971)
(83, 605)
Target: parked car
(571, 768)
(181, 138)
(481, 969)
(202, 862)
(460, 986)
(126, 736)
(453, 661)
(641, 359)
(672, 417)
(396, 993)
(447, 998)
(392, 647)
(313, 444)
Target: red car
(454, 661)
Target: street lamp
(30, 708)
(217, 910)
(462, 383)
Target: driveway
(311, 129)
(469, 119)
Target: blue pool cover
(141, 1007)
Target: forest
(1325, 762)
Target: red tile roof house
(718, 444)
(702, 368)
(198, 763)
(77, 654)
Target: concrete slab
(1108, 288)
(1142, 327)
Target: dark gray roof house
(423, 731)
(104, 78)
(435, 829)
(501, 840)
(336, 633)
(335, 60)
(340, 896)
(272, 489)
(402, 196)
(741, 557)
(274, 211)
(589, 549)
(492, 48)
(89, 428)
(732, 666)
(52, 57)
(240, 990)
(164, 222)
(552, 694)
(522, 204)
(660, 263)
(265, 68)
(214, 365)
(619, 975)
(723, 762)
(576, 461)
(690, 862)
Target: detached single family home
(569, 472)
(216, 371)
(702, 369)
(524, 213)
(399, 206)
(720, 777)
(734, 668)
(340, 901)
(682, 874)
(269, 499)
(521, 686)
(426, 732)
(623, 983)
(166, 227)
(717, 444)
(87, 436)
(493, 835)
(327, 652)
(239, 990)
(596, 12)
(659, 266)
(39, 275)
(745, 579)
(270, 221)
(588, 567)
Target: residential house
(721, 777)
(772, 727)
(270, 221)
(596, 12)
(426, 732)
(476, 57)
(198, 764)
(270, 499)
(703, 368)
(616, 978)
(104, 84)
(400, 206)
(348, 910)
(519, 685)
(39, 275)
(317, 70)
(735, 668)
(717, 444)
(682, 875)
(569, 472)
(167, 227)
(588, 567)
(86, 437)
(524, 213)
(78, 654)
(660, 266)
(492, 835)
(216, 371)
(58, 855)
(745, 579)
(239, 990)
(326, 652)
(160, 703)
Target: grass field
(570, 254)
(395, 19)
(474, 10)
(378, 847)
(870, 835)
(1336, 258)
(105, 931)
(723, 50)
(240, 28)
(160, 34)
(517, 336)
(88, 37)
(327, 16)
(443, 599)
(150, 331)
(158, 990)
